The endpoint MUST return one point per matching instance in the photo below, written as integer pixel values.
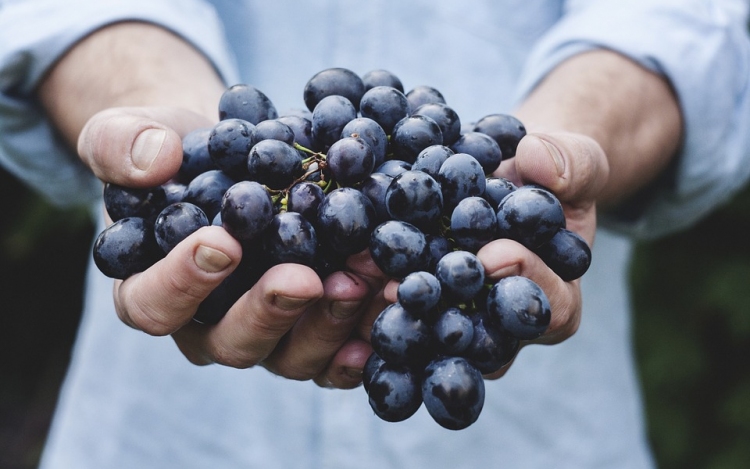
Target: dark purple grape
(461, 176)
(473, 224)
(453, 332)
(437, 247)
(174, 191)
(290, 238)
(333, 81)
(490, 349)
(302, 129)
(373, 363)
(421, 95)
(304, 198)
(176, 222)
(431, 159)
(461, 276)
(482, 147)
(246, 210)
(345, 221)
(400, 338)
(246, 102)
(453, 392)
(445, 117)
(371, 132)
(374, 187)
(506, 130)
(415, 197)
(419, 293)
(385, 105)
(567, 254)
(206, 191)
(520, 307)
(413, 134)
(398, 248)
(381, 77)
(393, 167)
(122, 202)
(274, 163)
(350, 160)
(195, 157)
(496, 190)
(330, 116)
(395, 392)
(126, 247)
(229, 143)
(273, 129)
(530, 215)
(296, 112)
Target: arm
(169, 88)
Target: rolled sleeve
(702, 48)
(35, 34)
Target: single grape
(374, 187)
(520, 307)
(246, 210)
(461, 275)
(490, 349)
(176, 222)
(385, 105)
(395, 392)
(333, 81)
(453, 331)
(482, 147)
(302, 128)
(530, 215)
(246, 102)
(431, 159)
(346, 219)
(506, 130)
(398, 248)
(273, 129)
(381, 77)
(453, 392)
(274, 163)
(304, 198)
(567, 254)
(229, 143)
(195, 156)
(423, 94)
(445, 117)
(419, 293)
(372, 133)
(461, 176)
(496, 189)
(400, 338)
(206, 191)
(350, 160)
(393, 167)
(290, 238)
(413, 134)
(126, 247)
(473, 224)
(174, 191)
(415, 197)
(329, 118)
(437, 247)
(373, 363)
(122, 202)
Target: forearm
(128, 64)
(631, 112)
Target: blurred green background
(692, 329)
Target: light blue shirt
(131, 400)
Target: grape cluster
(366, 166)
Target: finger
(345, 369)
(504, 258)
(163, 298)
(136, 147)
(256, 323)
(321, 330)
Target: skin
(600, 128)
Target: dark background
(692, 329)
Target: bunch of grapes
(366, 166)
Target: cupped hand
(290, 321)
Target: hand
(298, 329)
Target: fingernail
(344, 309)
(289, 303)
(146, 147)
(556, 157)
(355, 373)
(211, 260)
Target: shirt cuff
(704, 52)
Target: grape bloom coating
(366, 165)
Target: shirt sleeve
(36, 33)
(702, 48)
